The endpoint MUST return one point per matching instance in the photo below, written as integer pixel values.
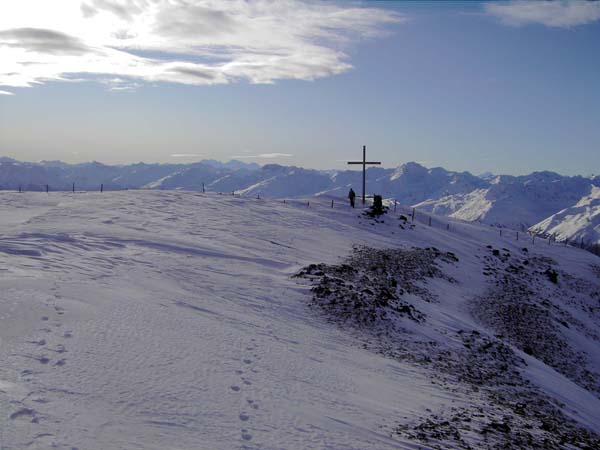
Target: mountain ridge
(512, 201)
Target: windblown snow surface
(176, 320)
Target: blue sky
(506, 87)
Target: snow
(170, 319)
(516, 202)
(576, 223)
(512, 202)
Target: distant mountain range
(542, 201)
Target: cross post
(364, 163)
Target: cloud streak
(555, 13)
(194, 42)
(264, 156)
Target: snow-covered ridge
(517, 202)
(169, 319)
(578, 223)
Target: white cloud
(265, 156)
(185, 155)
(555, 13)
(196, 42)
(6, 93)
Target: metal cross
(364, 163)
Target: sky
(506, 87)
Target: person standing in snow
(351, 196)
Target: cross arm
(364, 162)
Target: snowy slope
(169, 319)
(513, 202)
(579, 222)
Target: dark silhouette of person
(351, 197)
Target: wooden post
(308, 203)
(566, 242)
(258, 196)
(364, 180)
(284, 200)
(500, 232)
(19, 189)
(332, 203)
(203, 188)
(101, 187)
(395, 205)
(73, 187)
(517, 235)
(47, 189)
(447, 227)
(429, 220)
(533, 239)
(413, 215)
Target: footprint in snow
(235, 388)
(247, 361)
(59, 349)
(42, 359)
(246, 436)
(23, 413)
(244, 417)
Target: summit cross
(364, 163)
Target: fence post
(429, 220)
(395, 202)
(19, 189)
(332, 203)
(284, 200)
(500, 232)
(308, 204)
(517, 235)
(413, 215)
(258, 196)
(447, 227)
(47, 189)
(533, 239)
(73, 187)
(101, 187)
(203, 188)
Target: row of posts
(551, 239)
(21, 190)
